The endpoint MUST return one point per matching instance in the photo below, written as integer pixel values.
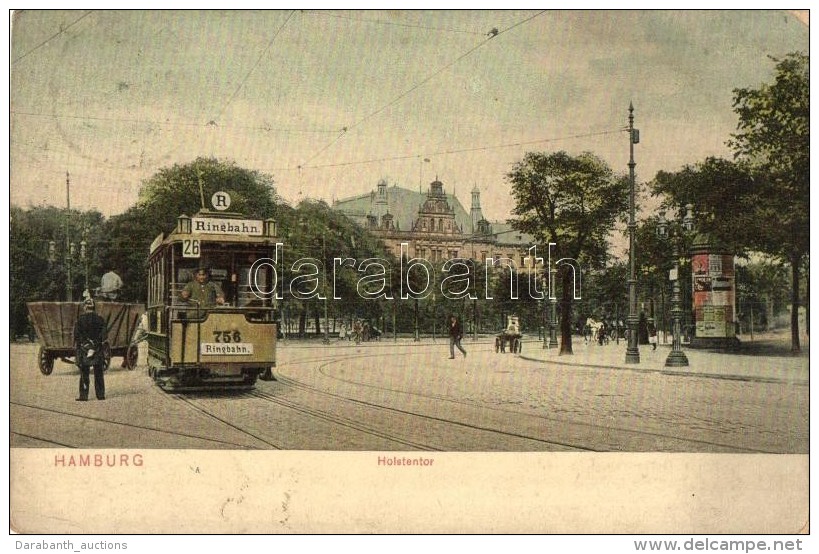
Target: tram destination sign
(222, 226)
(223, 349)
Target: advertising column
(714, 298)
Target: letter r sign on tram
(220, 200)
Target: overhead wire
(255, 65)
(450, 151)
(491, 35)
(392, 23)
(168, 123)
(52, 37)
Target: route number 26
(227, 336)
(190, 248)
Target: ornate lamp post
(546, 313)
(676, 358)
(85, 258)
(632, 352)
(552, 309)
(70, 253)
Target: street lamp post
(676, 358)
(475, 318)
(68, 256)
(545, 314)
(552, 310)
(84, 257)
(417, 333)
(68, 282)
(324, 262)
(434, 316)
(632, 352)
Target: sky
(330, 102)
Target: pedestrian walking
(455, 336)
(89, 339)
(642, 329)
(357, 331)
(652, 335)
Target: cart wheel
(106, 356)
(131, 357)
(46, 362)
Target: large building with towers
(434, 225)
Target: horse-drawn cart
(513, 340)
(54, 323)
(510, 336)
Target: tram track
(119, 424)
(48, 442)
(679, 441)
(340, 420)
(465, 427)
(402, 413)
(207, 413)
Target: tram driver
(202, 290)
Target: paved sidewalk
(761, 362)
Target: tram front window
(202, 291)
(252, 287)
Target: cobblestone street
(408, 396)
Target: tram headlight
(183, 224)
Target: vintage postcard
(409, 271)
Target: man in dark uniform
(89, 336)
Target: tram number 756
(227, 336)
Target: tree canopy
(760, 201)
(169, 193)
(573, 202)
(773, 137)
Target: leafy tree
(774, 138)
(764, 282)
(760, 201)
(724, 194)
(605, 293)
(314, 230)
(174, 191)
(574, 203)
(36, 273)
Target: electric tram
(197, 344)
